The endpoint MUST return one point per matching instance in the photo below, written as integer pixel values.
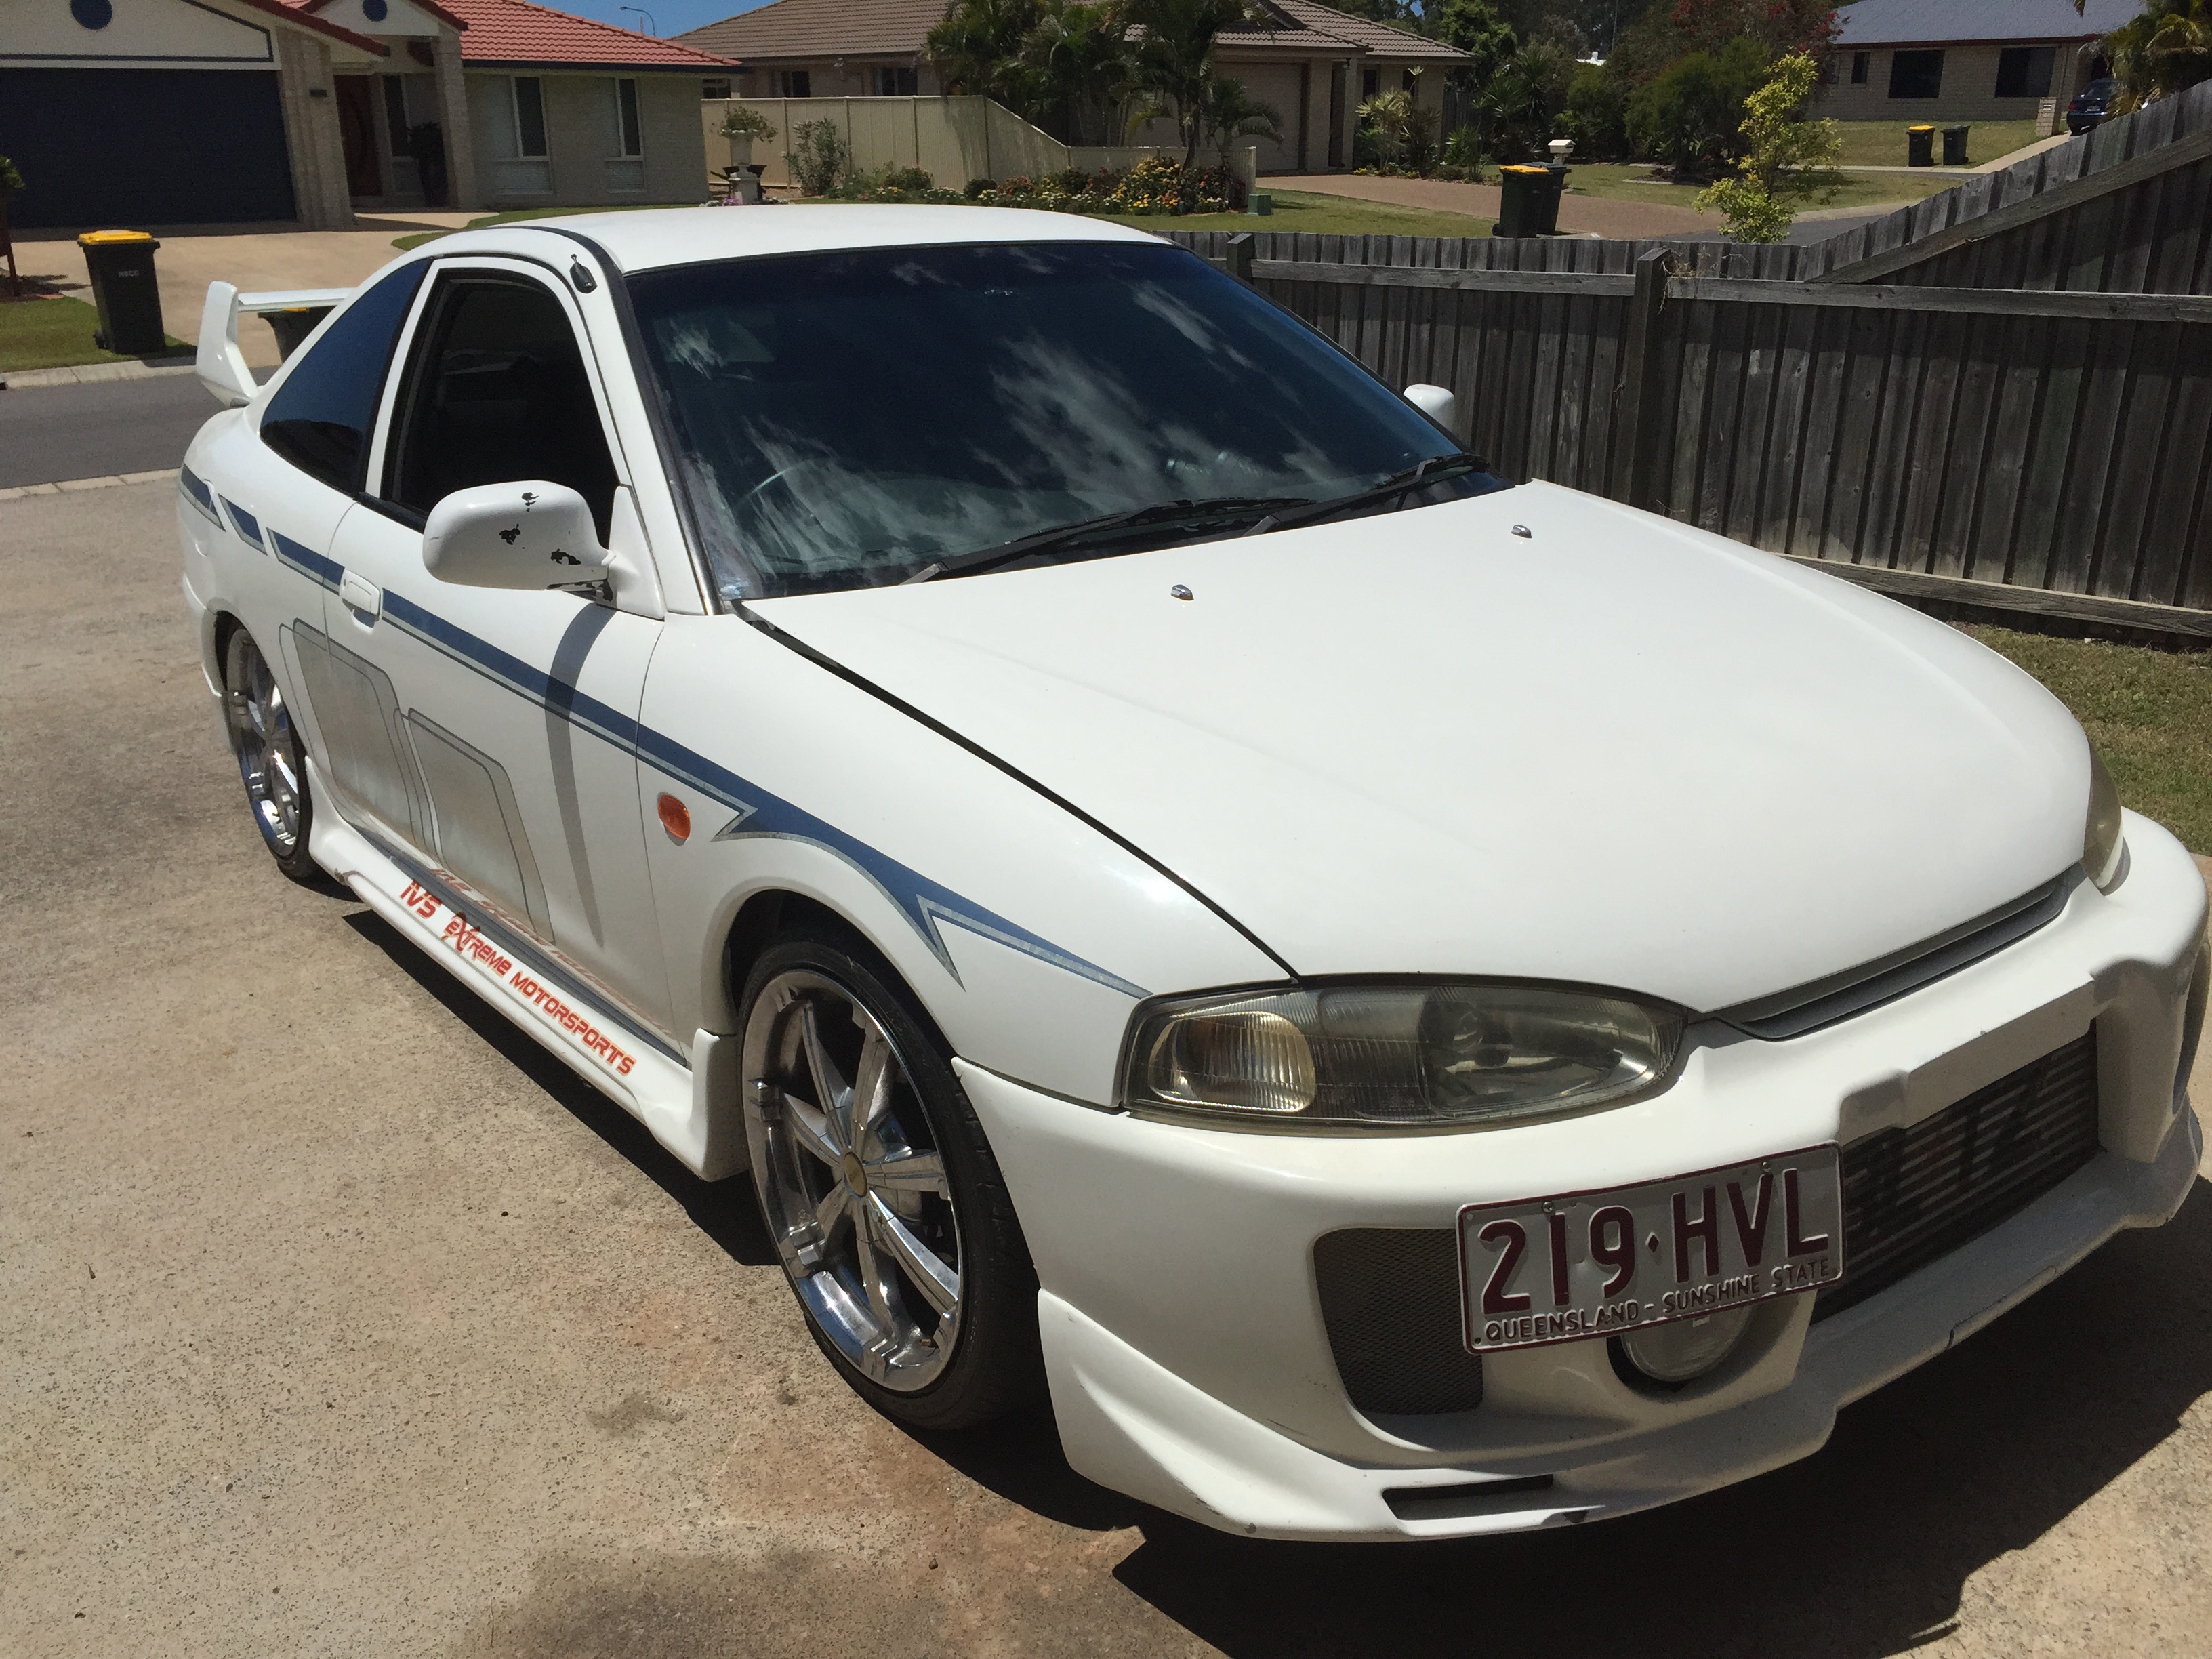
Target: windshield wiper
(1433, 469)
(1158, 513)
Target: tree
(1691, 115)
(1477, 30)
(1785, 160)
(1596, 116)
(1525, 98)
(1081, 73)
(2167, 48)
(977, 49)
(1174, 57)
(1666, 34)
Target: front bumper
(1183, 1328)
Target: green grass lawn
(1881, 143)
(1630, 182)
(2149, 713)
(54, 333)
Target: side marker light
(676, 818)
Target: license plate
(1581, 1265)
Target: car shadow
(1861, 1549)
(726, 1211)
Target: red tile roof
(516, 32)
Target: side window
(496, 393)
(319, 418)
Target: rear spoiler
(293, 314)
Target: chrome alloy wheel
(851, 1179)
(268, 744)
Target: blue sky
(669, 16)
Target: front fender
(1028, 934)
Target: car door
(283, 480)
(492, 740)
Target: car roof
(648, 239)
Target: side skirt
(691, 1109)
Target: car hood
(1611, 750)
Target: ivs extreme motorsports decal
(468, 941)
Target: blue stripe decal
(246, 525)
(925, 903)
(529, 955)
(196, 492)
(308, 563)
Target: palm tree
(1386, 116)
(1228, 113)
(1174, 57)
(2159, 53)
(1081, 70)
(977, 49)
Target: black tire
(993, 1365)
(272, 758)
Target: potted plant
(741, 125)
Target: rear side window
(319, 418)
(496, 393)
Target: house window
(529, 116)
(629, 139)
(714, 89)
(793, 83)
(519, 162)
(1862, 63)
(626, 166)
(1409, 79)
(1916, 74)
(895, 83)
(395, 114)
(2024, 71)
(1370, 82)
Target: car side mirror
(531, 535)
(1438, 405)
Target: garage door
(1276, 85)
(144, 147)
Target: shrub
(1787, 160)
(10, 180)
(819, 157)
(741, 121)
(976, 187)
(1463, 149)
(1691, 115)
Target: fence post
(1636, 461)
(1238, 261)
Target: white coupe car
(1413, 1006)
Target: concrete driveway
(336, 1319)
(257, 257)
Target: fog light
(1685, 1349)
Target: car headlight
(2104, 852)
(1376, 1056)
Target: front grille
(1390, 1302)
(1914, 1194)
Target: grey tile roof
(1905, 22)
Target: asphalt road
(50, 433)
(336, 1319)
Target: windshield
(856, 418)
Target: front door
(357, 131)
(511, 777)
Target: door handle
(363, 596)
